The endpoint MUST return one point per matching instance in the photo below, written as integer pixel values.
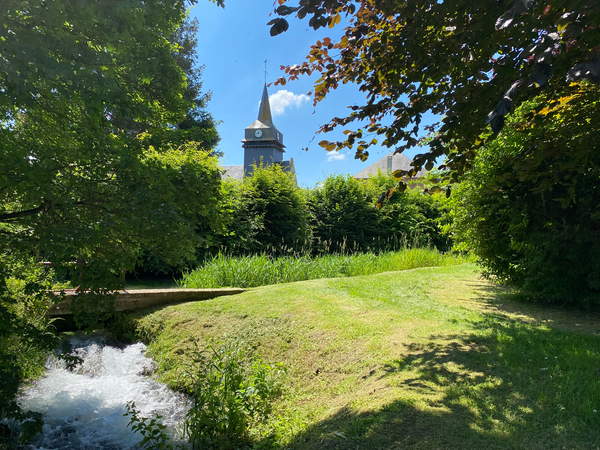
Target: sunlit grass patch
(414, 360)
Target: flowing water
(83, 409)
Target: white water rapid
(83, 409)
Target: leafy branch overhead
(469, 62)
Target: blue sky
(233, 44)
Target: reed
(262, 270)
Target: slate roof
(235, 172)
(398, 162)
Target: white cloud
(283, 99)
(336, 156)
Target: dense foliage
(198, 125)
(267, 213)
(84, 177)
(342, 216)
(466, 61)
(84, 186)
(24, 337)
(412, 216)
(530, 208)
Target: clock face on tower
(258, 133)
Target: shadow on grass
(510, 383)
(501, 300)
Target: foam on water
(83, 409)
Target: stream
(83, 409)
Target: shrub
(267, 213)
(411, 216)
(529, 209)
(24, 339)
(182, 185)
(342, 216)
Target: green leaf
(286, 11)
(278, 26)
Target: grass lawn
(432, 358)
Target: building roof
(235, 172)
(264, 111)
(264, 122)
(388, 164)
(265, 119)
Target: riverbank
(427, 358)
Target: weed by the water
(153, 432)
(230, 392)
(262, 270)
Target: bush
(24, 339)
(267, 213)
(411, 216)
(180, 186)
(342, 216)
(529, 209)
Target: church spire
(264, 112)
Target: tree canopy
(469, 62)
(99, 101)
(94, 98)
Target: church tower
(262, 140)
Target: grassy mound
(422, 359)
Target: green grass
(431, 358)
(262, 270)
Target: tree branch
(10, 217)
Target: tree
(469, 62)
(530, 207)
(268, 214)
(85, 85)
(80, 112)
(342, 216)
(410, 217)
(198, 124)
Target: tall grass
(262, 270)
